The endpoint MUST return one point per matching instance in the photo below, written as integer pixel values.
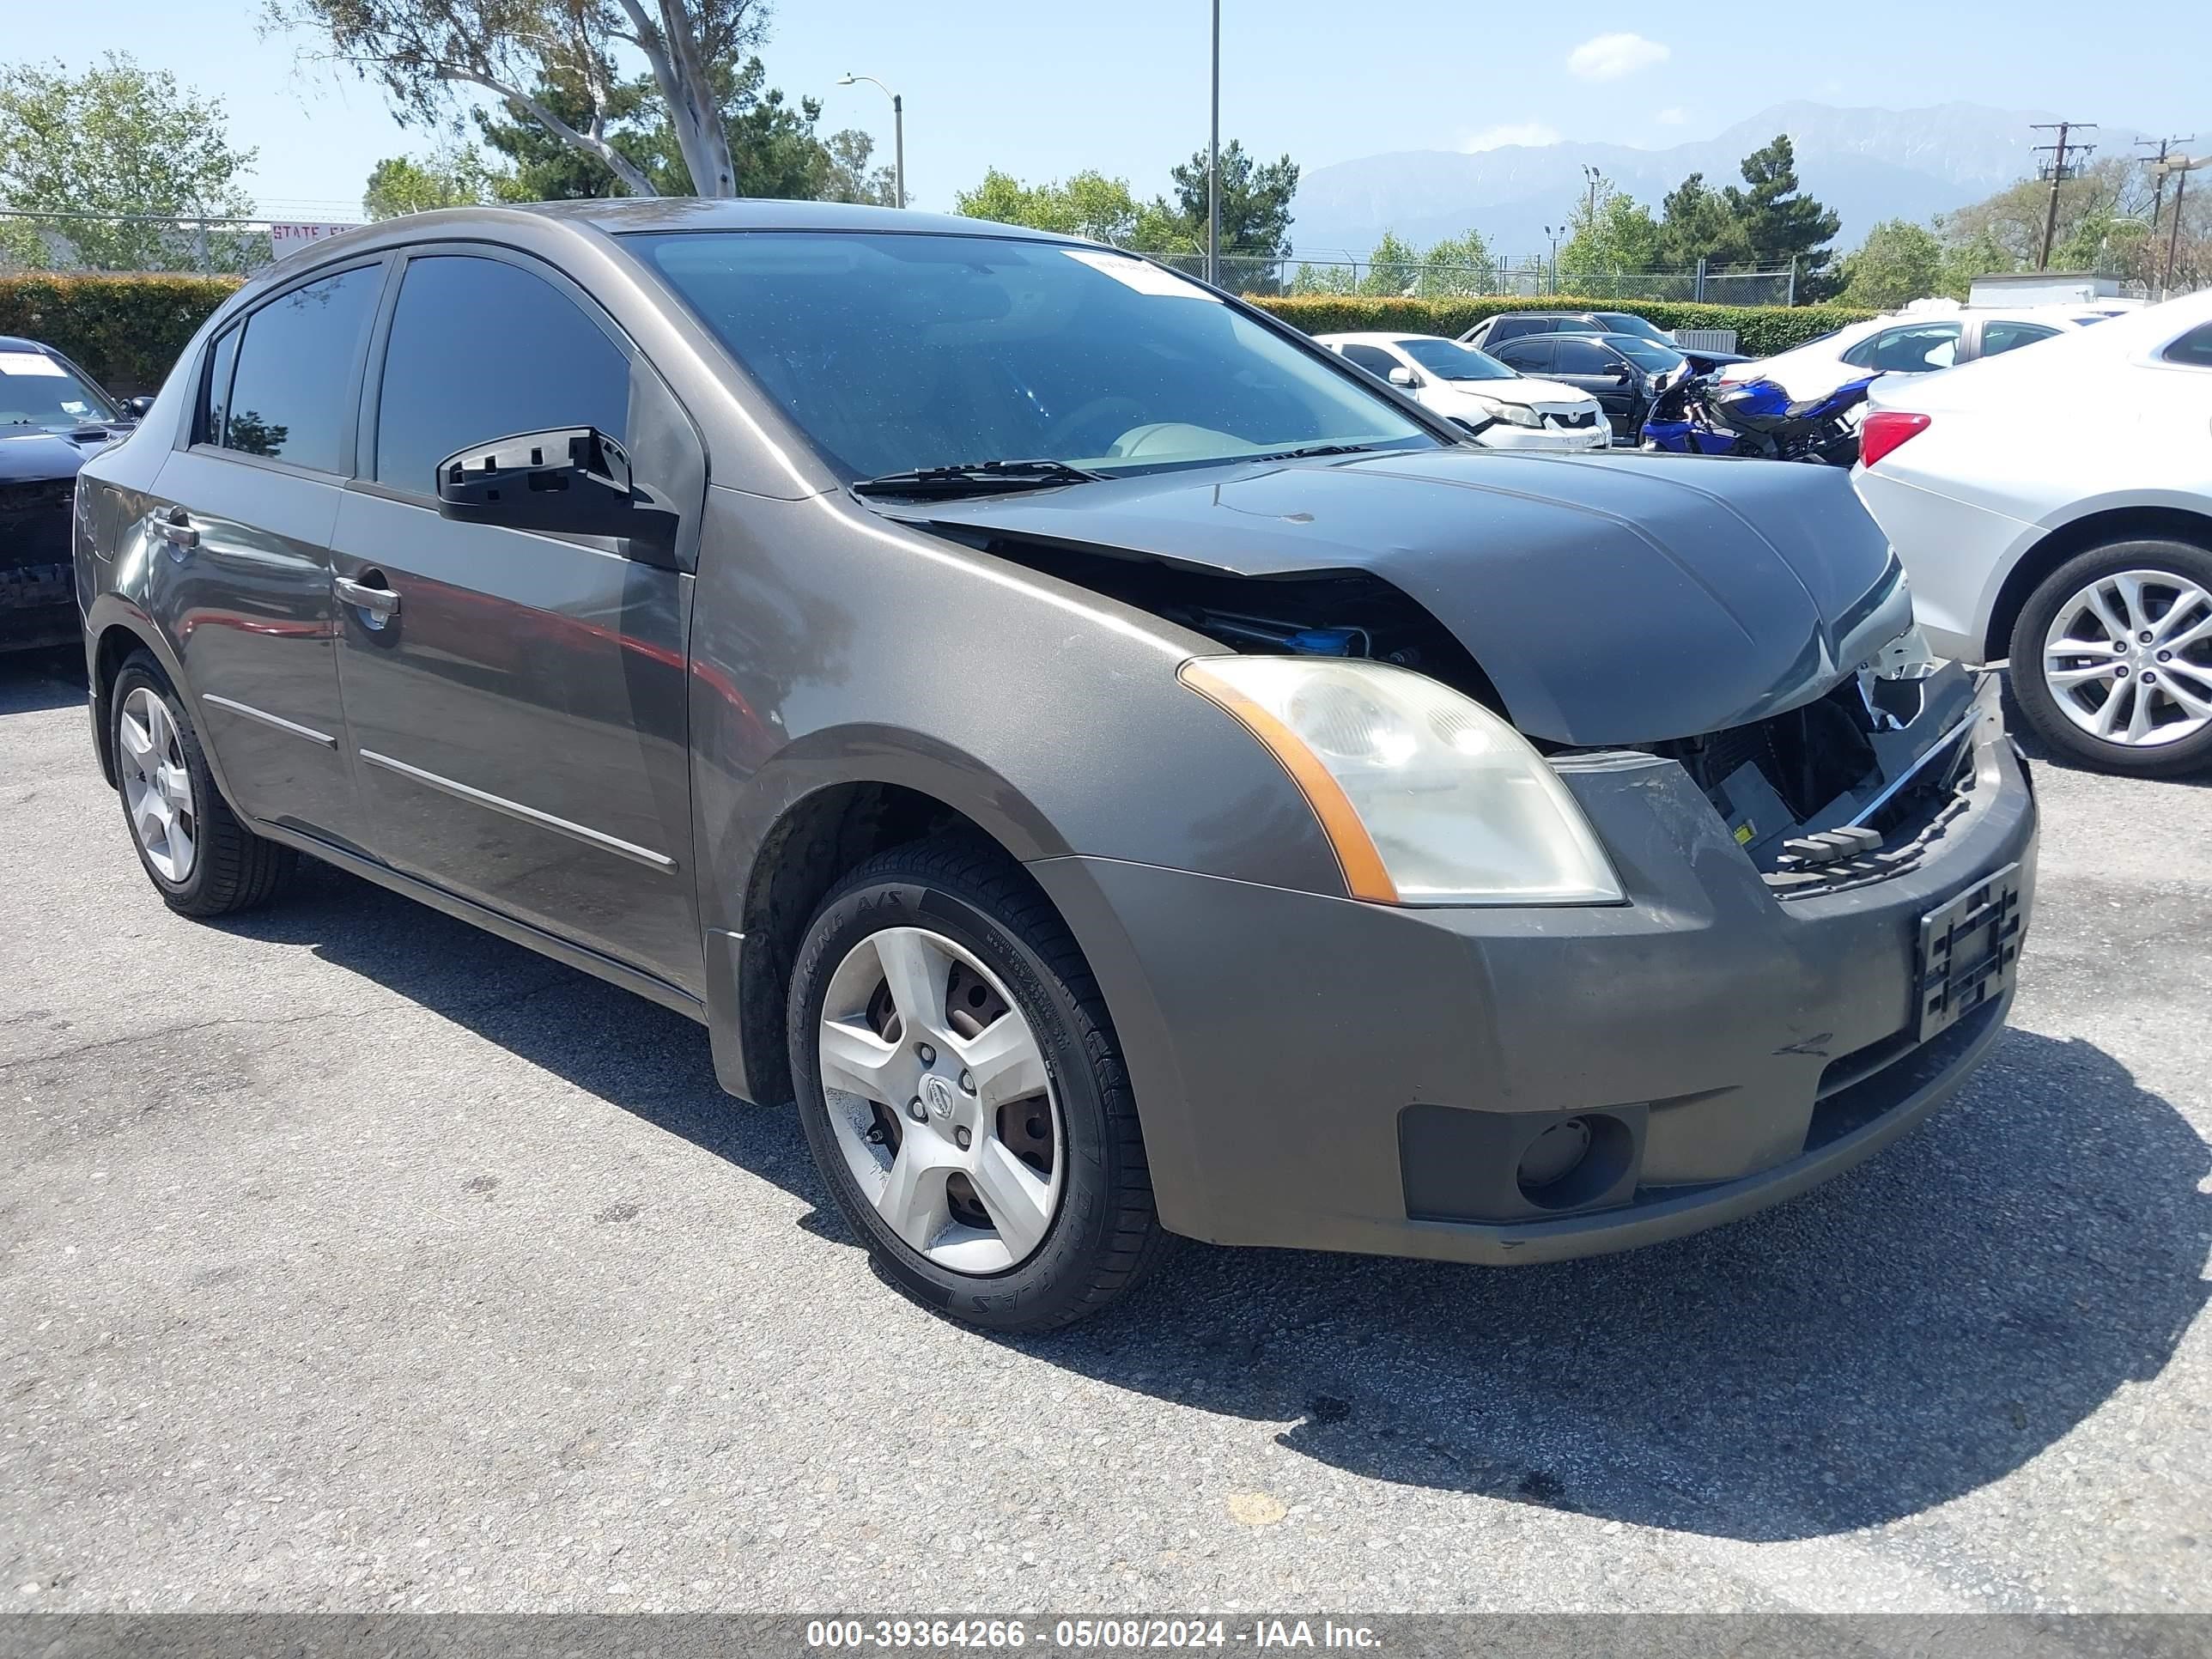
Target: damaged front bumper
(1509, 1084)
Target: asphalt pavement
(353, 1259)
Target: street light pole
(1213, 164)
(898, 133)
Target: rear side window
(1914, 350)
(1529, 356)
(2006, 337)
(481, 349)
(293, 392)
(215, 403)
(2194, 349)
(1508, 328)
(1373, 359)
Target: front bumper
(1322, 1073)
(1555, 438)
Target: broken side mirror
(573, 480)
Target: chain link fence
(1527, 276)
(147, 244)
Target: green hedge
(126, 330)
(1760, 330)
(129, 330)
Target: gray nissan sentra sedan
(1123, 770)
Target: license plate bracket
(1969, 952)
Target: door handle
(177, 530)
(374, 598)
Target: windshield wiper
(1309, 451)
(975, 477)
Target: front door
(516, 703)
(239, 569)
(1592, 367)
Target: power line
(2057, 174)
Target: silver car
(1120, 769)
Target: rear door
(516, 702)
(241, 580)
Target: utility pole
(2181, 167)
(2157, 165)
(1213, 164)
(2057, 175)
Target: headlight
(1511, 414)
(1427, 797)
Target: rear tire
(202, 860)
(1057, 1221)
(2094, 686)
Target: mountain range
(1869, 165)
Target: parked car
(1513, 324)
(52, 416)
(2055, 508)
(1500, 407)
(1119, 768)
(1623, 371)
(1909, 344)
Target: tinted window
(40, 390)
(2004, 336)
(293, 388)
(1584, 357)
(1912, 351)
(1627, 322)
(1373, 359)
(2194, 348)
(1506, 328)
(1647, 354)
(1529, 356)
(481, 349)
(892, 352)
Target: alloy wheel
(940, 1101)
(157, 787)
(2128, 658)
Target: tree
(422, 53)
(1256, 201)
(1458, 265)
(1613, 233)
(1088, 205)
(2101, 193)
(1393, 267)
(451, 178)
(1782, 224)
(1696, 222)
(118, 139)
(1898, 262)
(844, 174)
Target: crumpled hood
(1526, 389)
(30, 454)
(1610, 599)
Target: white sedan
(1909, 343)
(1462, 384)
(2055, 507)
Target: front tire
(963, 1093)
(201, 860)
(2111, 659)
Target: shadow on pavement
(52, 677)
(1910, 1332)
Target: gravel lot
(353, 1259)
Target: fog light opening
(1575, 1161)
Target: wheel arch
(116, 636)
(2131, 523)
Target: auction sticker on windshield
(31, 362)
(1138, 274)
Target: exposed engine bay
(1848, 787)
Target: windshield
(904, 351)
(1624, 322)
(1644, 354)
(36, 389)
(1447, 360)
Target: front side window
(294, 386)
(1585, 357)
(1373, 359)
(897, 352)
(39, 391)
(2193, 349)
(1447, 360)
(481, 349)
(1913, 350)
(1627, 322)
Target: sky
(1047, 88)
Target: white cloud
(1511, 132)
(1672, 117)
(1611, 56)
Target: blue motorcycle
(1698, 415)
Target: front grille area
(1581, 421)
(34, 522)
